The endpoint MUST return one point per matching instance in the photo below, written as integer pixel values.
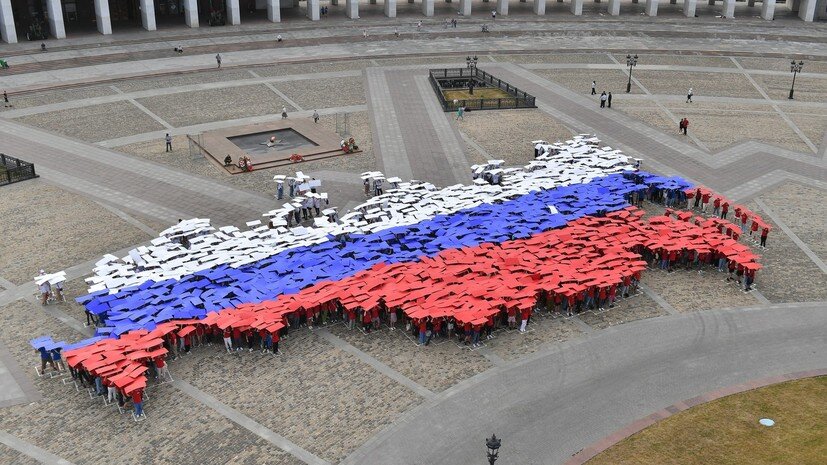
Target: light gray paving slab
(278, 92)
(662, 303)
(390, 145)
(447, 134)
(789, 232)
(249, 424)
(375, 364)
(31, 450)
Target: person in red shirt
(689, 196)
(704, 201)
(163, 371)
(753, 228)
(276, 343)
(351, 318)
(366, 320)
(724, 209)
(524, 315)
(716, 206)
(764, 231)
(512, 317)
(237, 339)
(138, 402)
(489, 326)
(228, 341)
(199, 334)
(744, 219)
(423, 328)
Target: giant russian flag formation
(560, 225)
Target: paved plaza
(92, 113)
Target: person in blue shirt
(56, 359)
(45, 358)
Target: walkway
(414, 44)
(128, 183)
(550, 405)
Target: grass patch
(726, 431)
(479, 93)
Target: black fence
(449, 76)
(14, 170)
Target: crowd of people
(117, 367)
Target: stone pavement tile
(679, 60)
(58, 96)
(95, 123)
(780, 64)
(721, 128)
(507, 134)
(324, 93)
(319, 397)
(813, 126)
(203, 106)
(580, 81)
(688, 291)
(703, 84)
(590, 58)
(802, 208)
(437, 366)
(543, 331)
(133, 85)
(653, 116)
(303, 68)
(47, 227)
(11, 456)
(635, 307)
(807, 89)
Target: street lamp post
(493, 445)
(795, 68)
(471, 63)
(631, 62)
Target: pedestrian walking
(419, 25)
(603, 98)
(168, 140)
(493, 14)
(278, 38)
(365, 33)
(609, 100)
(283, 112)
(685, 125)
(396, 32)
(218, 59)
(6, 100)
(315, 116)
(689, 96)
(594, 87)
(460, 113)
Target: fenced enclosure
(14, 170)
(447, 80)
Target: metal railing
(14, 170)
(520, 99)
